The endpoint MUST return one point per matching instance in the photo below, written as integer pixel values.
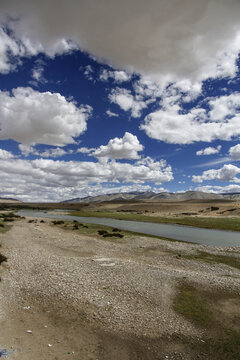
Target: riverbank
(99, 298)
(207, 222)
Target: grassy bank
(93, 230)
(5, 220)
(232, 224)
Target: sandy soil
(89, 298)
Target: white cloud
(126, 147)
(26, 149)
(51, 152)
(54, 152)
(5, 155)
(209, 150)
(118, 76)
(85, 150)
(46, 118)
(88, 72)
(224, 107)
(127, 102)
(234, 152)
(13, 47)
(54, 180)
(8, 48)
(219, 189)
(173, 125)
(111, 114)
(37, 73)
(194, 44)
(226, 173)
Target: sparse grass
(232, 224)
(201, 306)
(191, 306)
(2, 227)
(232, 261)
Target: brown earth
(91, 298)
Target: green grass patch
(188, 303)
(211, 258)
(2, 227)
(205, 308)
(232, 224)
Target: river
(177, 232)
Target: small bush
(111, 235)
(102, 232)
(2, 258)
(57, 222)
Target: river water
(177, 232)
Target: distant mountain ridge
(8, 200)
(152, 196)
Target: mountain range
(152, 196)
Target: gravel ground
(105, 299)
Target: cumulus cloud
(226, 173)
(126, 147)
(48, 179)
(219, 189)
(234, 152)
(54, 152)
(85, 150)
(5, 155)
(50, 152)
(127, 102)
(193, 44)
(26, 149)
(224, 107)
(174, 125)
(30, 117)
(118, 76)
(209, 151)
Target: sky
(107, 96)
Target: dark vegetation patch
(57, 222)
(221, 325)
(9, 217)
(2, 258)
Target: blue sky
(108, 97)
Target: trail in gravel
(87, 298)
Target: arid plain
(69, 292)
